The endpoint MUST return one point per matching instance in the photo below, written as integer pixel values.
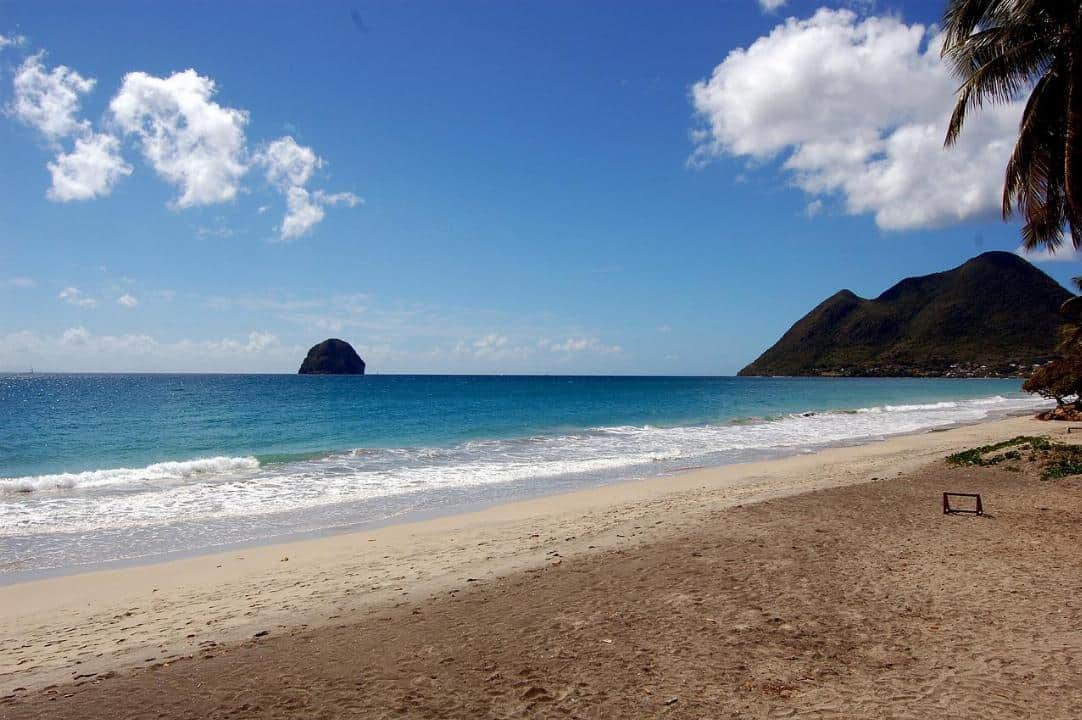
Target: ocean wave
(941, 405)
(157, 473)
(224, 487)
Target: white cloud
(220, 230)
(259, 351)
(90, 170)
(75, 336)
(495, 346)
(343, 198)
(302, 214)
(21, 282)
(127, 300)
(581, 344)
(289, 166)
(492, 347)
(49, 100)
(571, 345)
(304, 210)
(189, 140)
(74, 296)
(771, 5)
(490, 344)
(392, 337)
(258, 341)
(1065, 253)
(12, 41)
(813, 208)
(858, 107)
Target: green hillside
(994, 315)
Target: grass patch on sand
(1056, 460)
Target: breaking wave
(243, 487)
(158, 474)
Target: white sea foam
(239, 487)
(157, 474)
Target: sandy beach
(823, 585)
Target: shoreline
(519, 491)
(102, 621)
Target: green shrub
(1057, 460)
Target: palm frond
(962, 17)
(1000, 49)
(1072, 172)
(995, 59)
(1029, 169)
(1000, 79)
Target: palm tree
(999, 49)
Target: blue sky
(470, 187)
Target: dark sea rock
(332, 357)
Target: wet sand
(828, 585)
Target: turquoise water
(92, 466)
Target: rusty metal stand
(948, 510)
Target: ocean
(100, 469)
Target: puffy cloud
(302, 214)
(90, 170)
(127, 300)
(190, 140)
(289, 166)
(74, 296)
(49, 99)
(857, 107)
(304, 210)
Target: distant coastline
(969, 371)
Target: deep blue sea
(102, 468)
